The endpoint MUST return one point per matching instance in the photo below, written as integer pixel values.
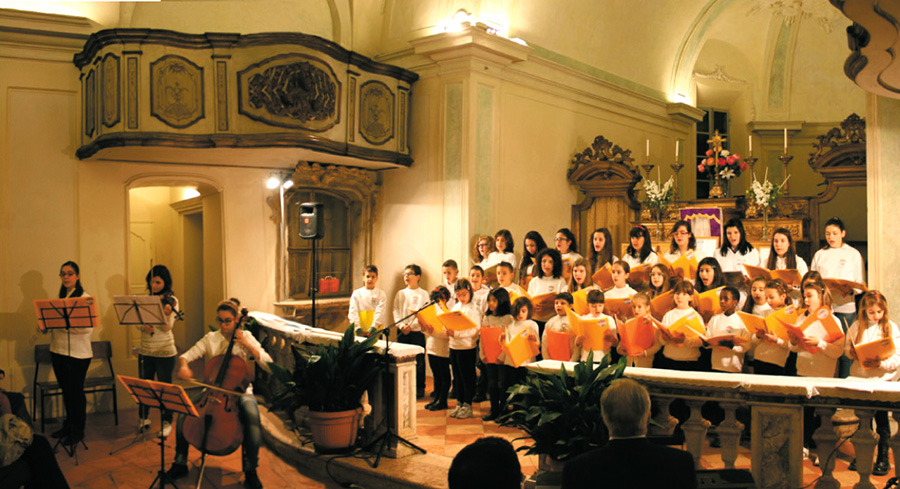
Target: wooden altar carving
(605, 175)
(840, 156)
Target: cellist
(245, 346)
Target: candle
(658, 176)
(677, 145)
(648, 148)
(750, 144)
(785, 140)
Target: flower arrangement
(764, 193)
(724, 164)
(659, 196)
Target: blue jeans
(248, 413)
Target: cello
(217, 430)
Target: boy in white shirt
(368, 298)
(450, 271)
(479, 298)
(406, 302)
(595, 302)
(559, 324)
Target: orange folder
(490, 342)
(620, 308)
(685, 266)
(558, 346)
(456, 320)
(580, 305)
(707, 303)
(543, 306)
(490, 277)
(515, 293)
(593, 330)
(662, 304)
(519, 349)
(879, 349)
(844, 287)
(603, 277)
(790, 276)
(689, 325)
(429, 316)
(776, 323)
(639, 275)
(638, 334)
(752, 322)
(820, 324)
(567, 268)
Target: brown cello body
(218, 430)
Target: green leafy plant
(561, 412)
(331, 378)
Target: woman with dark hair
(548, 274)
(503, 242)
(533, 243)
(157, 353)
(640, 250)
(736, 251)
(683, 243)
(71, 355)
(568, 250)
(602, 249)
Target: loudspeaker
(312, 220)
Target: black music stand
(68, 314)
(389, 434)
(165, 397)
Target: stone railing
(393, 398)
(776, 405)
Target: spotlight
(287, 184)
(273, 182)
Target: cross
(717, 142)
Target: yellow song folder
(520, 349)
(620, 308)
(490, 276)
(790, 276)
(637, 334)
(776, 323)
(580, 304)
(844, 287)
(752, 322)
(639, 275)
(543, 306)
(685, 266)
(821, 324)
(875, 350)
(456, 320)
(689, 325)
(592, 329)
(429, 316)
(662, 304)
(603, 277)
(365, 320)
(707, 303)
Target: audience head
(625, 407)
(488, 463)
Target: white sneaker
(455, 412)
(143, 424)
(465, 412)
(166, 429)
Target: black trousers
(463, 363)
(160, 367)
(440, 369)
(70, 373)
(416, 338)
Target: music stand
(165, 397)
(68, 313)
(389, 434)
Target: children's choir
(806, 322)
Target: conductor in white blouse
(625, 459)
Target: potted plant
(330, 381)
(560, 413)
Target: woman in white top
(503, 242)
(640, 250)
(683, 242)
(157, 354)
(463, 351)
(71, 353)
(483, 248)
(783, 256)
(548, 274)
(533, 243)
(736, 251)
(602, 249)
(568, 249)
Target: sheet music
(139, 309)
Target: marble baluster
(729, 431)
(864, 446)
(695, 430)
(665, 422)
(826, 440)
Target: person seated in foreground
(629, 459)
(488, 463)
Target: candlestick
(676, 168)
(647, 169)
(750, 162)
(785, 158)
(785, 140)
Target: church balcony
(261, 100)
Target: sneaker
(455, 412)
(143, 424)
(465, 412)
(177, 471)
(166, 429)
(251, 480)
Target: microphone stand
(389, 433)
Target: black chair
(102, 350)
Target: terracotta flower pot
(334, 432)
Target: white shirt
(544, 285)
(364, 299)
(214, 343)
(634, 261)
(781, 264)
(619, 292)
(466, 339)
(732, 261)
(75, 342)
(405, 302)
(776, 353)
(688, 351)
(162, 342)
(844, 263)
(569, 259)
(671, 257)
(732, 360)
(496, 257)
(822, 363)
(872, 332)
(480, 298)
